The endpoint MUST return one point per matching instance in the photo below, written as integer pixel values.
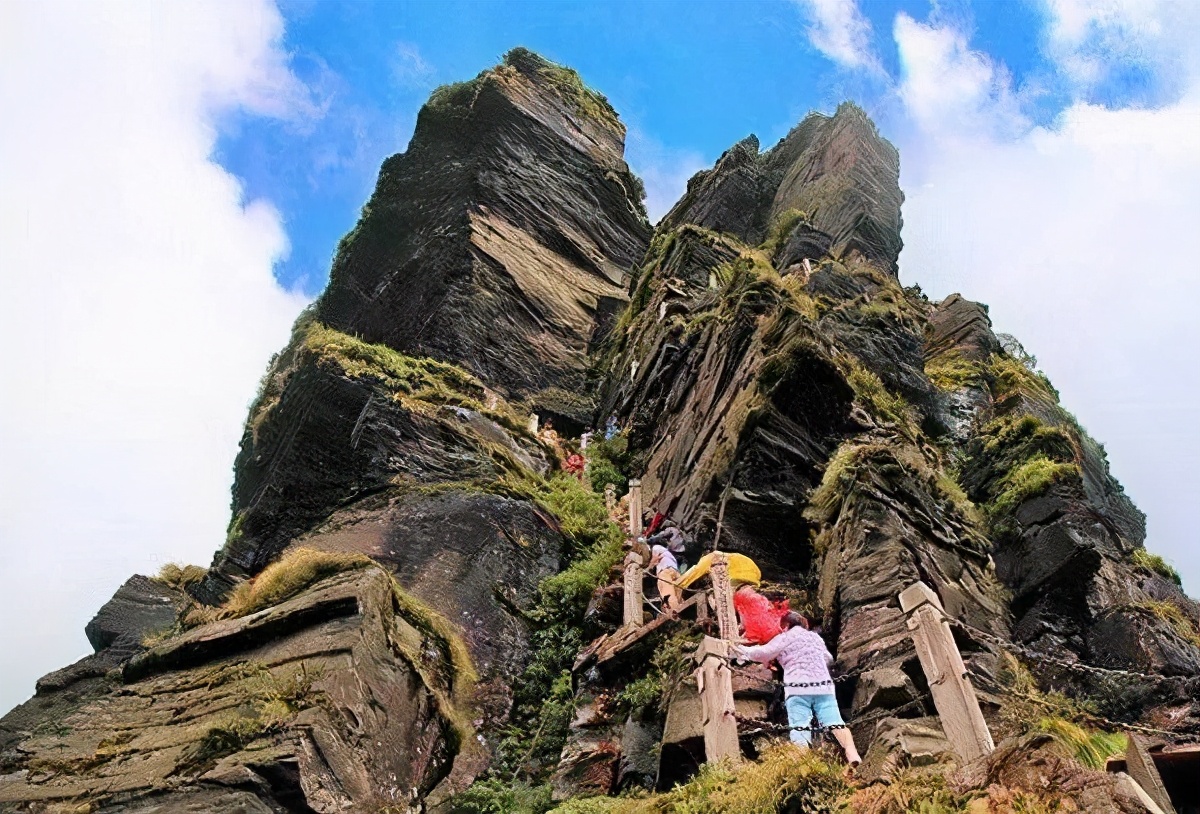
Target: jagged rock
(836, 170)
(899, 742)
(495, 240)
(883, 688)
(338, 697)
(139, 607)
(1036, 764)
(639, 758)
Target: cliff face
(782, 395)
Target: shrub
(881, 402)
(1153, 562)
(288, 576)
(608, 460)
(781, 229)
(641, 696)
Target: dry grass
(951, 371)
(1176, 618)
(288, 576)
(181, 576)
(1153, 562)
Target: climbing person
(610, 426)
(666, 568)
(671, 536)
(760, 615)
(655, 522)
(808, 687)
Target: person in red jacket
(760, 615)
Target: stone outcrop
(781, 395)
(500, 235)
(264, 713)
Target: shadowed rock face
(495, 239)
(265, 713)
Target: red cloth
(575, 464)
(658, 518)
(760, 616)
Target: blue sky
(176, 177)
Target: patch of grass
(1142, 558)
(951, 371)
(1091, 747)
(781, 229)
(231, 736)
(608, 462)
(785, 778)
(421, 378)
(1176, 618)
(1028, 480)
(907, 790)
(641, 696)
(878, 400)
(494, 796)
(180, 576)
(454, 94)
(1011, 379)
(288, 576)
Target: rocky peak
(502, 238)
(836, 171)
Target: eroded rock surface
(265, 713)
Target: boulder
(140, 607)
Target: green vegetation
(1030, 479)
(1012, 379)
(495, 796)
(608, 462)
(881, 402)
(781, 229)
(641, 696)
(288, 576)
(1091, 747)
(785, 778)
(421, 378)
(454, 94)
(951, 371)
(1155, 563)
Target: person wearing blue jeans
(808, 686)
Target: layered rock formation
(782, 395)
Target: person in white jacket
(808, 687)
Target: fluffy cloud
(838, 30)
(139, 307)
(1080, 236)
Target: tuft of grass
(1011, 378)
(607, 463)
(1153, 562)
(1091, 747)
(421, 378)
(785, 778)
(288, 576)
(781, 229)
(909, 789)
(881, 402)
(1028, 480)
(1176, 618)
(951, 371)
(494, 796)
(181, 576)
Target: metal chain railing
(767, 728)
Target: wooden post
(633, 590)
(635, 508)
(715, 683)
(723, 596)
(1140, 765)
(952, 693)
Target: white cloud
(409, 67)
(1081, 236)
(138, 307)
(1092, 40)
(949, 90)
(838, 30)
(664, 171)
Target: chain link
(773, 729)
(1017, 649)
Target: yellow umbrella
(741, 569)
